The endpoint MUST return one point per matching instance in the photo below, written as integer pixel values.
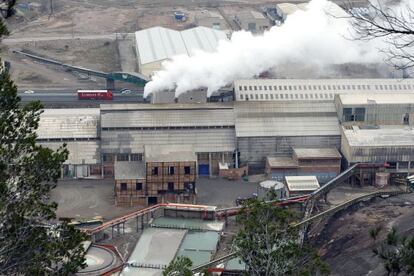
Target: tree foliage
(269, 246)
(31, 240)
(180, 266)
(397, 253)
(394, 24)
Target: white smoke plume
(313, 36)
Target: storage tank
(382, 179)
(267, 186)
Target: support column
(209, 165)
(137, 224)
(236, 165)
(110, 84)
(142, 222)
(222, 157)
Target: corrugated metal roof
(384, 136)
(169, 118)
(282, 162)
(69, 123)
(317, 153)
(263, 119)
(129, 170)
(158, 43)
(172, 106)
(302, 183)
(80, 152)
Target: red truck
(95, 95)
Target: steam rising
(313, 37)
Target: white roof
(289, 8)
(395, 98)
(158, 43)
(302, 183)
(319, 89)
(382, 136)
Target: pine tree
(32, 242)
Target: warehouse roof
(172, 106)
(289, 8)
(395, 98)
(263, 119)
(382, 136)
(129, 170)
(316, 153)
(282, 162)
(311, 90)
(69, 123)
(169, 153)
(302, 183)
(208, 14)
(158, 43)
(249, 15)
(169, 115)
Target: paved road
(12, 40)
(69, 96)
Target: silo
(265, 187)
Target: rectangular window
(107, 157)
(241, 96)
(138, 186)
(240, 88)
(260, 87)
(265, 87)
(170, 186)
(285, 87)
(255, 87)
(245, 88)
(187, 170)
(270, 87)
(256, 97)
(123, 186)
(267, 96)
(171, 170)
(122, 157)
(406, 119)
(250, 87)
(136, 157)
(280, 87)
(154, 171)
(261, 96)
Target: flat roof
(380, 136)
(302, 183)
(129, 170)
(169, 153)
(317, 153)
(282, 162)
(394, 98)
(167, 106)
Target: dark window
(106, 157)
(189, 186)
(187, 170)
(240, 88)
(406, 119)
(123, 186)
(155, 171)
(122, 157)
(138, 186)
(136, 157)
(347, 114)
(171, 170)
(170, 186)
(359, 114)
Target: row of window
(121, 157)
(164, 128)
(65, 139)
(171, 170)
(322, 96)
(325, 87)
(138, 186)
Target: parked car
(126, 91)
(28, 92)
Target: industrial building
(252, 21)
(130, 183)
(79, 130)
(273, 128)
(208, 128)
(300, 185)
(376, 109)
(210, 19)
(324, 163)
(315, 90)
(156, 45)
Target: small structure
(171, 174)
(300, 185)
(130, 188)
(232, 173)
(252, 21)
(210, 19)
(268, 187)
(324, 163)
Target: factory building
(376, 109)
(315, 90)
(252, 21)
(324, 163)
(211, 19)
(156, 45)
(79, 130)
(130, 183)
(207, 128)
(391, 146)
(273, 128)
